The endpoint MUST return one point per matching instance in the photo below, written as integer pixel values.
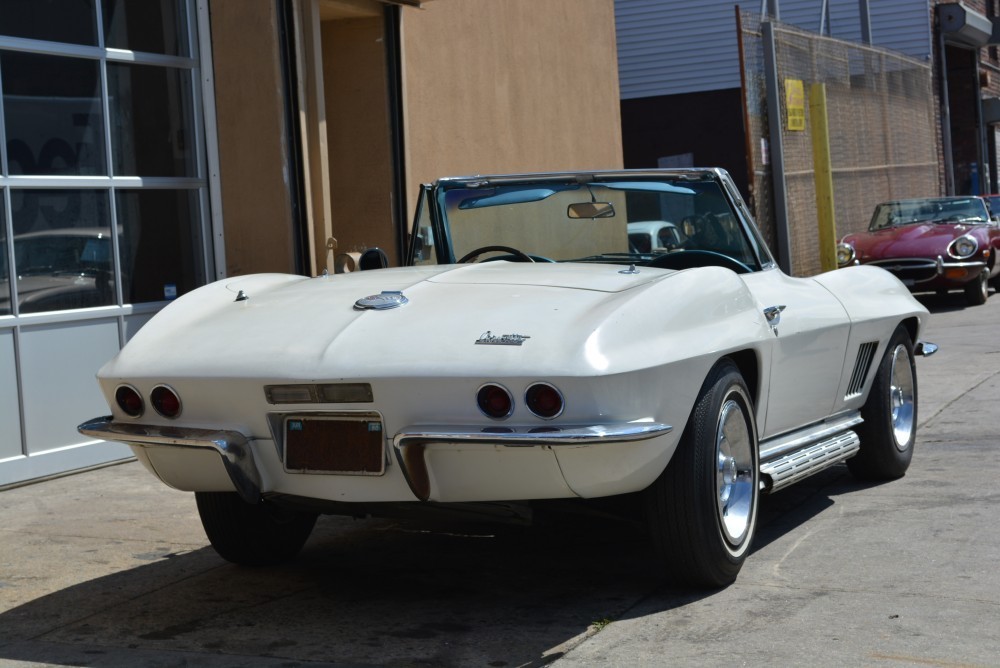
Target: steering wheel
(473, 254)
(698, 258)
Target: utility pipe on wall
(823, 177)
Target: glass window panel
(73, 21)
(157, 26)
(151, 121)
(62, 249)
(53, 114)
(161, 246)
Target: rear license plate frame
(339, 444)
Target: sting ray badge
(490, 339)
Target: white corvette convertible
(527, 352)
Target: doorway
(349, 83)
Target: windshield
(937, 210)
(588, 220)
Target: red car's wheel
(976, 291)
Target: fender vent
(864, 362)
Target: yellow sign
(795, 105)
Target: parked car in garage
(58, 269)
(528, 352)
(930, 244)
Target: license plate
(346, 445)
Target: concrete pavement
(111, 568)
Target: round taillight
(495, 401)
(544, 400)
(129, 400)
(165, 401)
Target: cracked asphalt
(111, 568)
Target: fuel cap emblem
(383, 301)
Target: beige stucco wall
(253, 158)
(511, 86)
(488, 86)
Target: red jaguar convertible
(932, 244)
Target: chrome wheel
(901, 397)
(734, 477)
(889, 430)
(702, 510)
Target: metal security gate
(881, 116)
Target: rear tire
(252, 535)
(889, 429)
(977, 291)
(702, 510)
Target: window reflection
(161, 248)
(62, 251)
(157, 26)
(53, 116)
(73, 21)
(151, 122)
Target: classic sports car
(931, 244)
(560, 366)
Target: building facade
(683, 98)
(152, 146)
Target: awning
(965, 27)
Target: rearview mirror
(590, 210)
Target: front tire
(252, 535)
(702, 510)
(889, 429)
(977, 291)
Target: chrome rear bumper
(410, 442)
(234, 447)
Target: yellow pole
(823, 175)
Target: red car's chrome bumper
(926, 273)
